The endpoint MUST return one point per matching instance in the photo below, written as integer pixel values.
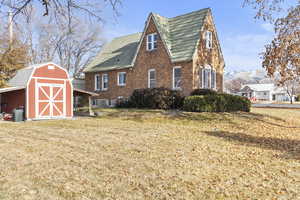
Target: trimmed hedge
(216, 103)
(198, 92)
(154, 98)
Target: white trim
(173, 77)
(152, 42)
(215, 78)
(102, 82)
(149, 71)
(65, 98)
(208, 39)
(121, 84)
(36, 98)
(45, 78)
(96, 82)
(211, 69)
(51, 100)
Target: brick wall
(137, 77)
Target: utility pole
(10, 27)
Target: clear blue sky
(241, 36)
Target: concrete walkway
(269, 105)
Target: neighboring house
(264, 92)
(180, 53)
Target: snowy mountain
(254, 76)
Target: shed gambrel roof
(21, 78)
(180, 35)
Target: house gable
(153, 26)
(204, 57)
(158, 59)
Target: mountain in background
(254, 76)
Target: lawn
(153, 155)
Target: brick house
(181, 53)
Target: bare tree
(76, 48)
(58, 9)
(291, 87)
(235, 85)
(71, 47)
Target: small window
(97, 82)
(104, 81)
(208, 39)
(206, 77)
(177, 78)
(151, 78)
(213, 79)
(152, 41)
(122, 78)
(51, 67)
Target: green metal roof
(117, 54)
(180, 35)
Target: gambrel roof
(180, 35)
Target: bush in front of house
(123, 103)
(216, 103)
(154, 98)
(198, 92)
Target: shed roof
(10, 89)
(180, 35)
(21, 78)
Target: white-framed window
(208, 39)
(177, 78)
(206, 77)
(213, 79)
(97, 82)
(152, 41)
(151, 78)
(104, 81)
(209, 78)
(121, 78)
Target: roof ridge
(122, 36)
(196, 11)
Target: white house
(264, 92)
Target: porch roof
(10, 89)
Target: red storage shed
(45, 91)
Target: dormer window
(152, 41)
(208, 39)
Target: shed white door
(50, 101)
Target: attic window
(208, 39)
(152, 41)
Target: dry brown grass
(153, 155)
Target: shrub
(199, 92)
(298, 97)
(216, 103)
(154, 98)
(123, 103)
